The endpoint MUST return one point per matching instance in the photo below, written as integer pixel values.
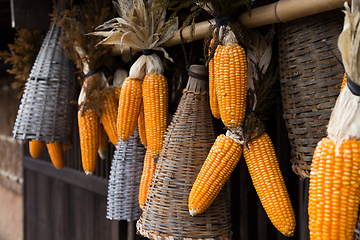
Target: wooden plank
(243, 200)
(122, 230)
(262, 222)
(60, 210)
(91, 183)
(30, 207)
(79, 207)
(43, 206)
(103, 226)
(234, 184)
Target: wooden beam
(281, 11)
(91, 183)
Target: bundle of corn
(334, 178)
(258, 149)
(142, 26)
(227, 62)
(95, 101)
(124, 180)
(187, 142)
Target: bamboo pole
(281, 11)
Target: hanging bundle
(46, 113)
(249, 137)
(96, 95)
(187, 142)
(124, 180)
(142, 27)
(227, 95)
(334, 178)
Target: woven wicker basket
(124, 180)
(46, 112)
(188, 140)
(311, 77)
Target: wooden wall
(67, 204)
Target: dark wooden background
(67, 204)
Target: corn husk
(261, 87)
(119, 77)
(140, 25)
(344, 121)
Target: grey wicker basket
(124, 180)
(187, 142)
(46, 112)
(311, 77)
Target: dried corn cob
(334, 191)
(109, 117)
(231, 83)
(89, 139)
(219, 164)
(155, 100)
(146, 177)
(103, 142)
(129, 108)
(56, 154)
(269, 184)
(35, 148)
(117, 92)
(212, 94)
(141, 126)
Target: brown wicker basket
(46, 112)
(188, 140)
(310, 75)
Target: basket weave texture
(187, 142)
(46, 112)
(311, 77)
(124, 179)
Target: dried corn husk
(344, 121)
(139, 26)
(119, 77)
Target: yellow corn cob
(155, 100)
(146, 177)
(129, 108)
(219, 164)
(109, 117)
(56, 154)
(212, 94)
(89, 139)
(35, 148)
(231, 83)
(103, 142)
(117, 92)
(334, 191)
(343, 82)
(269, 184)
(141, 126)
